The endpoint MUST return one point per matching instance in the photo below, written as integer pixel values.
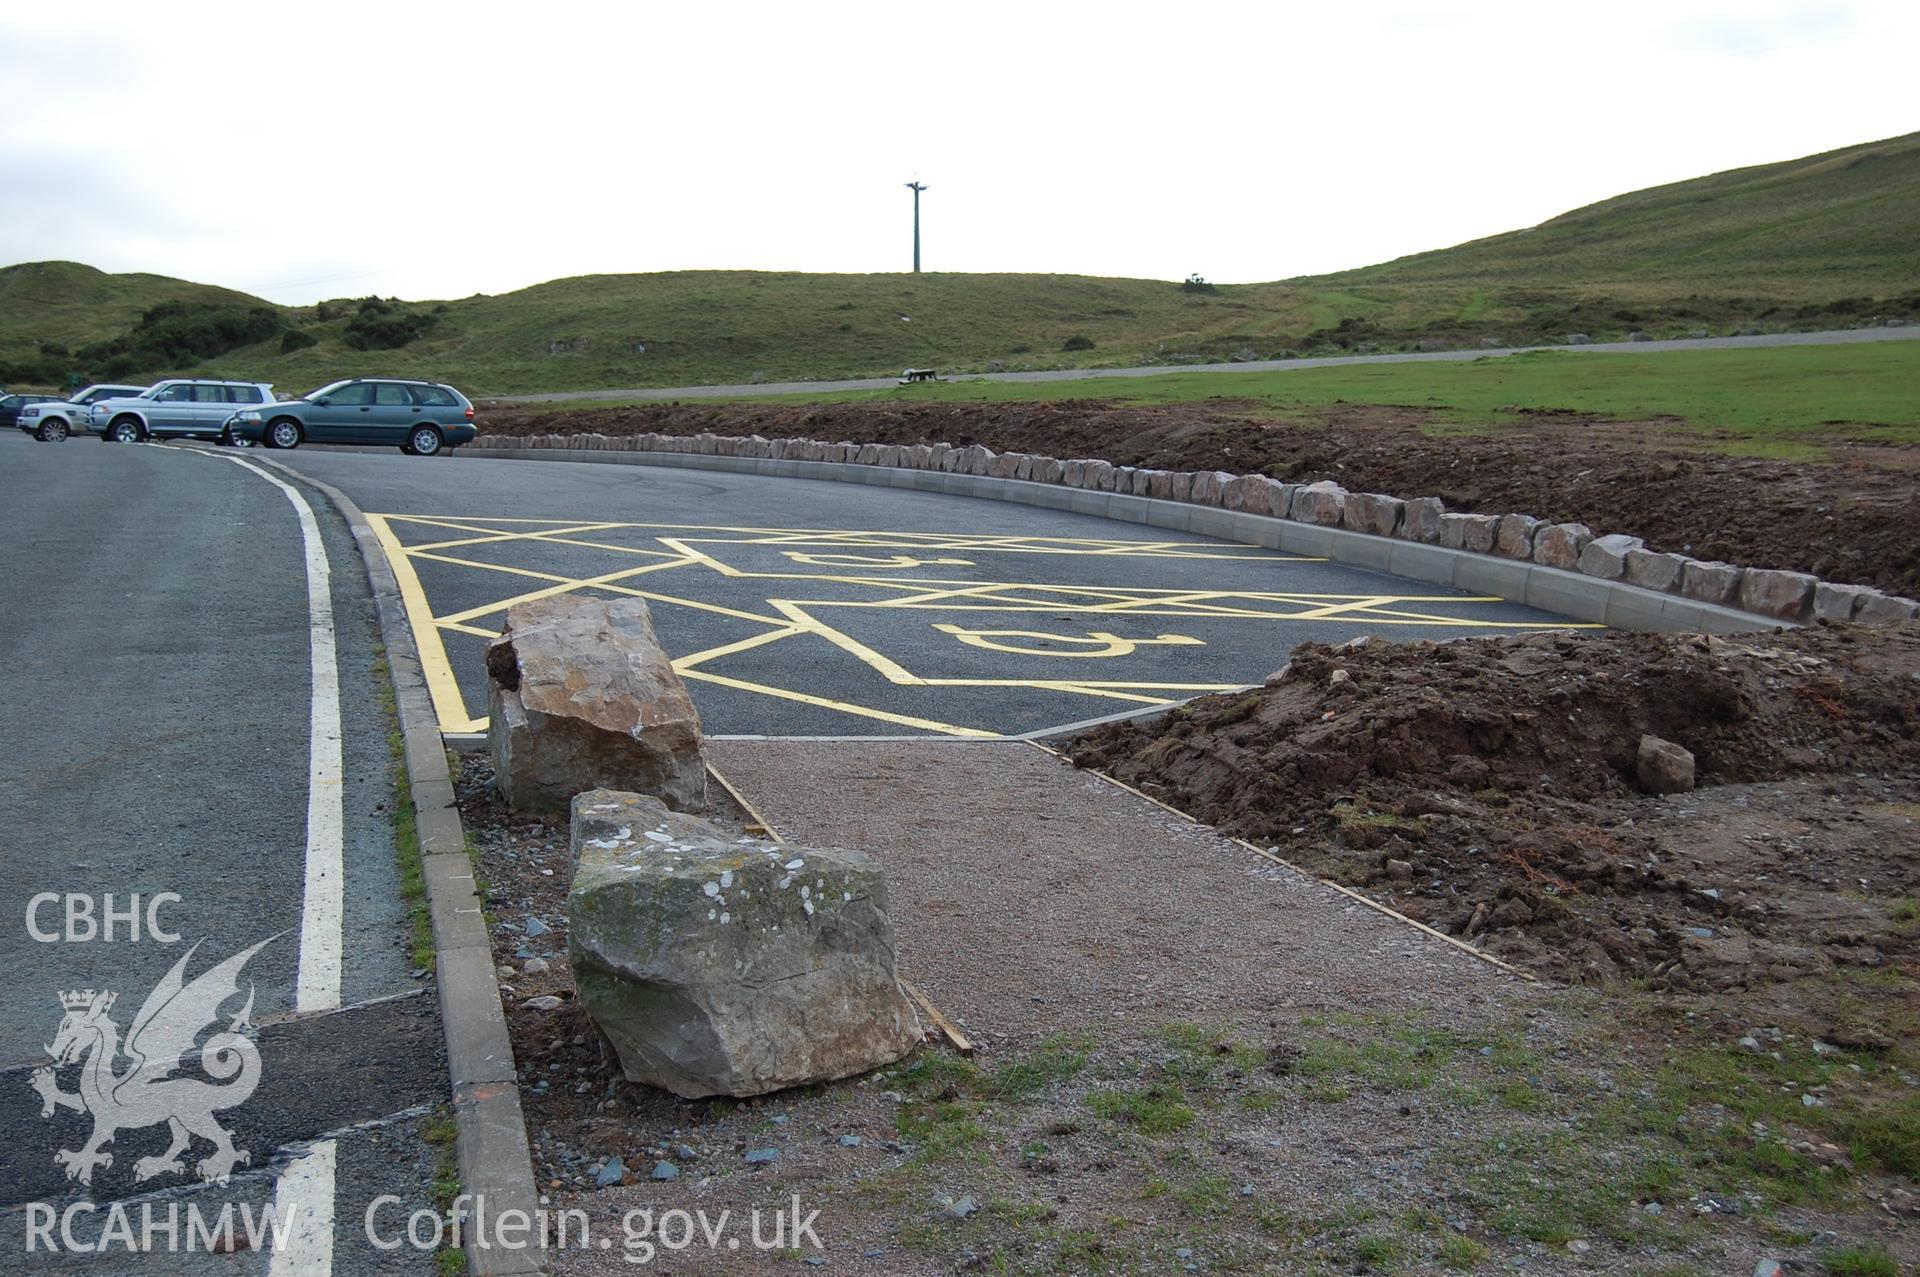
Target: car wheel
(126, 430)
(425, 441)
(283, 433)
(230, 439)
(54, 431)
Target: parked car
(53, 421)
(12, 405)
(421, 418)
(170, 409)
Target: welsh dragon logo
(145, 1093)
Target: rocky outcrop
(719, 965)
(581, 696)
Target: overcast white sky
(301, 151)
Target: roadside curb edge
(496, 1163)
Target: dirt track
(1849, 519)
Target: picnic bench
(910, 375)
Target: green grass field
(1821, 242)
(1771, 401)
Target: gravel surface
(1031, 898)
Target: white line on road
(304, 1194)
(318, 988)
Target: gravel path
(1910, 333)
(1107, 912)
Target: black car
(10, 406)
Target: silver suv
(170, 409)
(54, 420)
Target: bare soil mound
(1487, 787)
(1849, 519)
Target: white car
(53, 422)
(170, 409)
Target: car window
(386, 392)
(175, 394)
(243, 394)
(11, 401)
(434, 397)
(209, 394)
(354, 395)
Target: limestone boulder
(1558, 545)
(1885, 609)
(1775, 592)
(582, 696)
(719, 965)
(1835, 602)
(1324, 503)
(1373, 513)
(1710, 581)
(1420, 520)
(1606, 557)
(1471, 532)
(1653, 571)
(1513, 539)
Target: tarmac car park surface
(801, 607)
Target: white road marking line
(304, 1195)
(321, 911)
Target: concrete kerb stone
(1139, 495)
(490, 1139)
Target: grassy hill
(1825, 241)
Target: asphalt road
(1910, 333)
(798, 607)
(156, 727)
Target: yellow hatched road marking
(903, 720)
(678, 546)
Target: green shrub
(1079, 341)
(179, 334)
(382, 325)
(297, 339)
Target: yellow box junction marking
(888, 565)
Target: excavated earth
(1487, 787)
(1850, 517)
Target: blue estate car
(421, 418)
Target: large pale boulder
(1420, 519)
(1653, 571)
(1471, 532)
(1776, 592)
(719, 965)
(1558, 545)
(1606, 557)
(1324, 503)
(1513, 539)
(581, 696)
(1885, 609)
(1373, 512)
(1711, 581)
